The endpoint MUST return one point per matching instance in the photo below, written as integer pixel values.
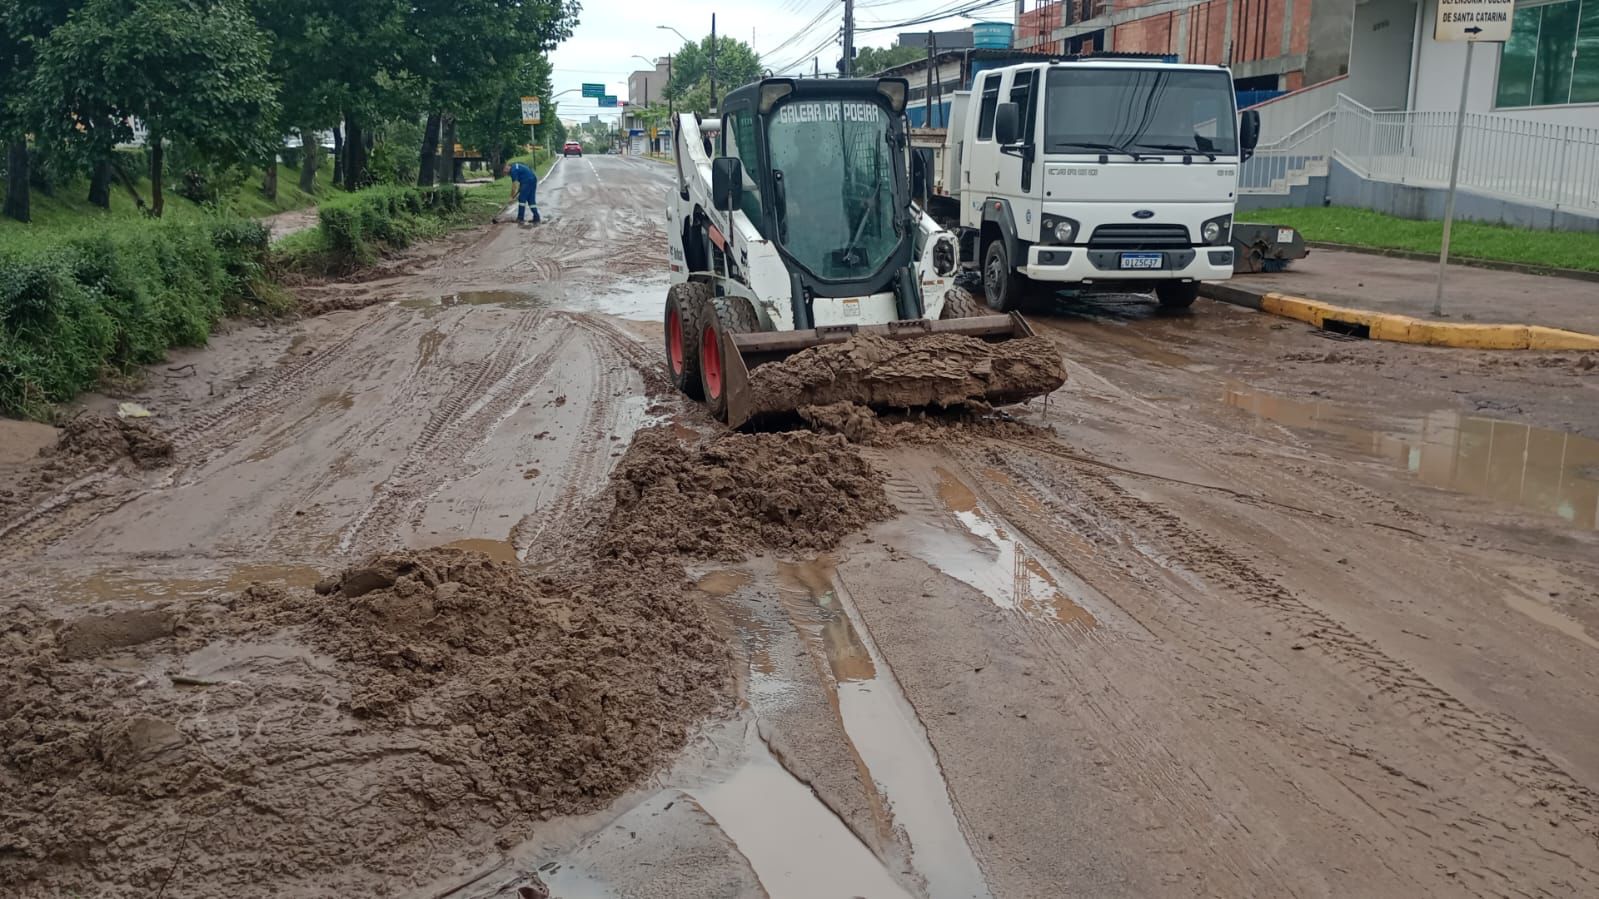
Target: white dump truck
(1095, 174)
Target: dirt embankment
(940, 371)
(411, 712)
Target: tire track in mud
(1076, 652)
(465, 418)
(1167, 544)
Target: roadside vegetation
(140, 141)
(1468, 240)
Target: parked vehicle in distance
(572, 148)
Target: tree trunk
(430, 152)
(310, 159)
(269, 180)
(100, 184)
(16, 205)
(157, 201)
(446, 166)
(355, 150)
(338, 154)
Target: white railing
(1532, 162)
(1540, 164)
(1282, 116)
(1292, 160)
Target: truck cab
(1104, 175)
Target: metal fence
(1555, 166)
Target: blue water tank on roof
(992, 35)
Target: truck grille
(1140, 237)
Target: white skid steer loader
(791, 227)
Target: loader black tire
(725, 315)
(688, 303)
(960, 303)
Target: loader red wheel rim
(674, 340)
(711, 363)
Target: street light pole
(713, 62)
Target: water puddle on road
(1535, 468)
(995, 562)
(796, 846)
(887, 735)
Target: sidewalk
(1387, 286)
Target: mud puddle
(988, 556)
(1542, 470)
(508, 298)
(117, 585)
(887, 735)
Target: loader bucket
(742, 353)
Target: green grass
(70, 207)
(1472, 240)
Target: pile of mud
(739, 493)
(941, 371)
(103, 440)
(418, 707)
(858, 424)
(84, 444)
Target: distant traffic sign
(530, 111)
(593, 90)
(608, 100)
(1477, 21)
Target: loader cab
(820, 171)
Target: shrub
(357, 227)
(114, 295)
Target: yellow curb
(1405, 329)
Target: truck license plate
(1143, 260)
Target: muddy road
(1241, 610)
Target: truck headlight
(1218, 230)
(1065, 230)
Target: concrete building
(1269, 44)
(644, 88)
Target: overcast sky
(609, 32)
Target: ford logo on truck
(1144, 214)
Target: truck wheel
(1177, 294)
(1004, 286)
(685, 315)
(730, 315)
(959, 303)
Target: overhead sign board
(530, 111)
(593, 90)
(1474, 20)
(608, 100)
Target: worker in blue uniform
(524, 189)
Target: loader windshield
(835, 206)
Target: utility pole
(713, 62)
(816, 65)
(848, 67)
(671, 117)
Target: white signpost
(1475, 22)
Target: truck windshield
(835, 203)
(1150, 110)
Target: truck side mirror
(1248, 132)
(727, 183)
(1007, 124)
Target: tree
(871, 60)
(23, 24)
(689, 87)
(195, 70)
(494, 126)
(463, 51)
